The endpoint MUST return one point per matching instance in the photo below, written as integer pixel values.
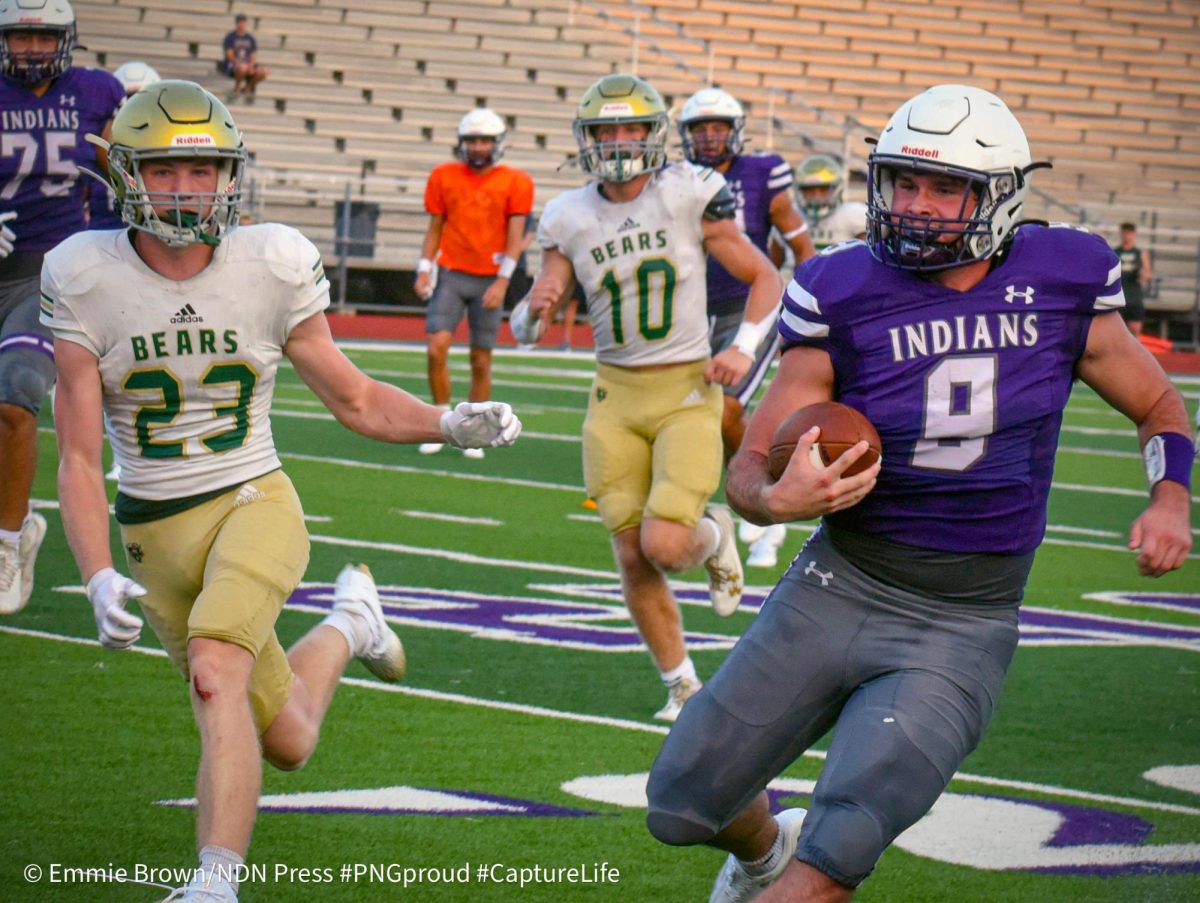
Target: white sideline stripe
(453, 474)
(278, 411)
(451, 518)
(464, 557)
(641, 727)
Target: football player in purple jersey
(712, 125)
(46, 108)
(958, 331)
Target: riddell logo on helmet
(616, 109)
(919, 151)
(191, 140)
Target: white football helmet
(951, 130)
(54, 16)
(706, 105)
(481, 123)
(613, 100)
(135, 75)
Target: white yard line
(641, 727)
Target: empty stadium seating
(367, 93)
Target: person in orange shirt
(477, 213)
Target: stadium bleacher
(367, 93)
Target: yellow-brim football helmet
(616, 99)
(176, 120)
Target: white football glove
(7, 235)
(480, 424)
(108, 592)
(525, 329)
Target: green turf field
(510, 765)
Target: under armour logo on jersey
(65, 101)
(1011, 294)
(629, 223)
(187, 314)
(813, 569)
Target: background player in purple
(46, 107)
(712, 126)
(958, 332)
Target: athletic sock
(221, 866)
(685, 670)
(710, 535)
(767, 863)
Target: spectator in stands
(212, 528)
(241, 57)
(712, 126)
(49, 106)
(636, 239)
(1135, 276)
(478, 211)
(894, 628)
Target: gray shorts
(26, 346)
(721, 332)
(908, 682)
(457, 293)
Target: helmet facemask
(623, 160)
(816, 172)
(178, 218)
(914, 242)
(703, 156)
(34, 69)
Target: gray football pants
(908, 682)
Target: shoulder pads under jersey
(722, 206)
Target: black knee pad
(677, 829)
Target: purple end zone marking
(1123, 629)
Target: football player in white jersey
(819, 184)
(173, 331)
(635, 239)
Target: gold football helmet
(818, 172)
(176, 120)
(617, 99)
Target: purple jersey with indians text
(42, 144)
(966, 389)
(755, 179)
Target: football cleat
(750, 533)
(377, 646)
(195, 892)
(32, 535)
(764, 552)
(10, 578)
(677, 694)
(733, 885)
(430, 448)
(475, 454)
(724, 566)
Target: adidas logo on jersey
(187, 314)
(629, 223)
(693, 397)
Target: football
(841, 427)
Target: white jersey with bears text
(641, 263)
(848, 220)
(188, 368)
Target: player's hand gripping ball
(841, 428)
